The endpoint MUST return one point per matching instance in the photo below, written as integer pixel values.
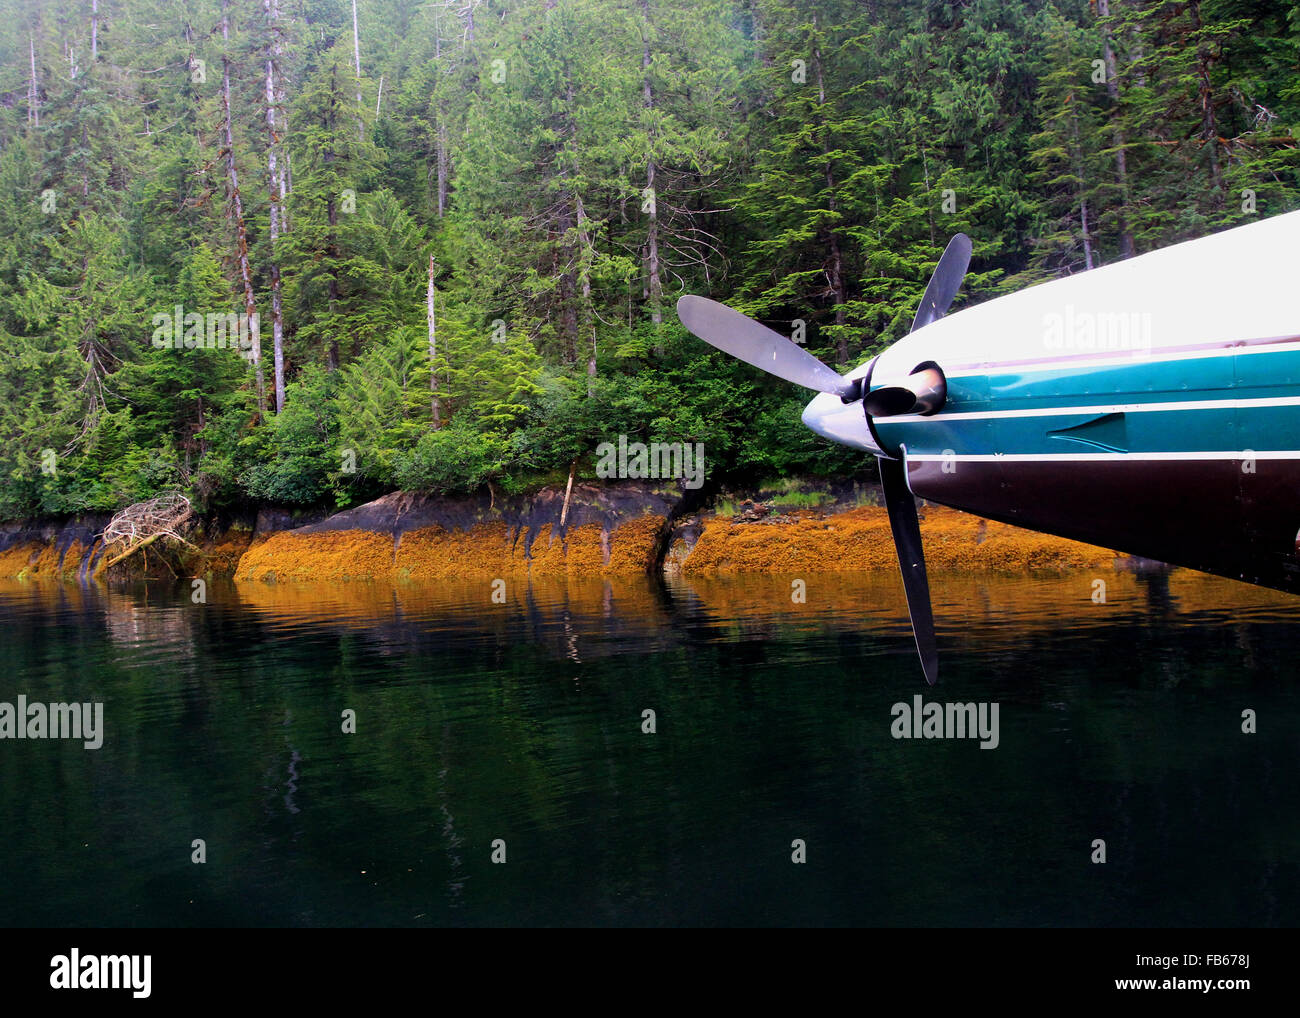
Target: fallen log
(140, 525)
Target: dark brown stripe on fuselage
(1211, 515)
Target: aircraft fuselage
(1151, 406)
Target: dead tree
(140, 525)
(237, 211)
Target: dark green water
(523, 721)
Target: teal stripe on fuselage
(1267, 376)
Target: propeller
(922, 391)
(757, 345)
(945, 282)
(911, 561)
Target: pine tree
(324, 280)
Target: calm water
(523, 722)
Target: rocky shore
(620, 528)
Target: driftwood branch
(140, 525)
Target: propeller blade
(945, 282)
(748, 341)
(911, 561)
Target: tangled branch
(159, 517)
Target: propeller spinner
(923, 391)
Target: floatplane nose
(829, 416)
(844, 405)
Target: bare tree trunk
(1087, 240)
(442, 165)
(356, 42)
(440, 128)
(331, 236)
(33, 91)
(565, 281)
(434, 403)
(575, 255)
(94, 30)
(584, 278)
(1205, 96)
(286, 167)
(356, 51)
(836, 267)
(273, 177)
(277, 333)
(653, 270)
(654, 280)
(1076, 160)
(1126, 245)
(568, 494)
(237, 213)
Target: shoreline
(617, 529)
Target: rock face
(620, 528)
(72, 549)
(60, 549)
(860, 540)
(608, 529)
